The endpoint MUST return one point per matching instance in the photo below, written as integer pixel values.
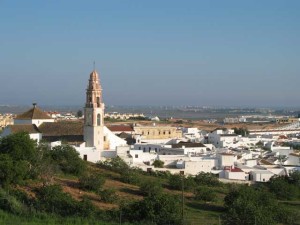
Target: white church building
(91, 139)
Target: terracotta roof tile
(63, 128)
(34, 113)
(29, 128)
(120, 128)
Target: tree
(92, 182)
(158, 209)
(52, 199)
(6, 170)
(204, 194)
(158, 163)
(175, 181)
(107, 195)
(116, 164)
(206, 179)
(20, 147)
(295, 178)
(151, 188)
(241, 131)
(245, 205)
(280, 186)
(79, 113)
(68, 160)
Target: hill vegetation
(44, 186)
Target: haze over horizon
(230, 53)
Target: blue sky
(158, 52)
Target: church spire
(94, 113)
(94, 91)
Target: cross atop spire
(94, 65)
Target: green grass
(201, 213)
(293, 206)
(46, 219)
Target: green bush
(19, 146)
(115, 164)
(175, 181)
(68, 160)
(107, 195)
(130, 177)
(281, 187)
(52, 199)
(151, 188)
(205, 194)
(207, 179)
(246, 205)
(157, 209)
(158, 164)
(11, 204)
(91, 182)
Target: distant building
(157, 132)
(222, 138)
(123, 116)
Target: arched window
(98, 101)
(98, 120)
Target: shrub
(151, 188)
(130, 177)
(52, 199)
(19, 146)
(281, 187)
(175, 181)
(91, 182)
(68, 159)
(12, 171)
(158, 164)
(116, 164)
(107, 195)
(207, 179)
(245, 205)
(205, 194)
(178, 182)
(158, 209)
(11, 204)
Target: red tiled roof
(235, 170)
(33, 114)
(120, 128)
(29, 128)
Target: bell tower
(94, 114)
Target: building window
(149, 148)
(98, 120)
(140, 148)
(169, 132)
(104, 138)
(98, 101)
(136, 156)
(164, 132)
(148, 132)
(85, 157)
